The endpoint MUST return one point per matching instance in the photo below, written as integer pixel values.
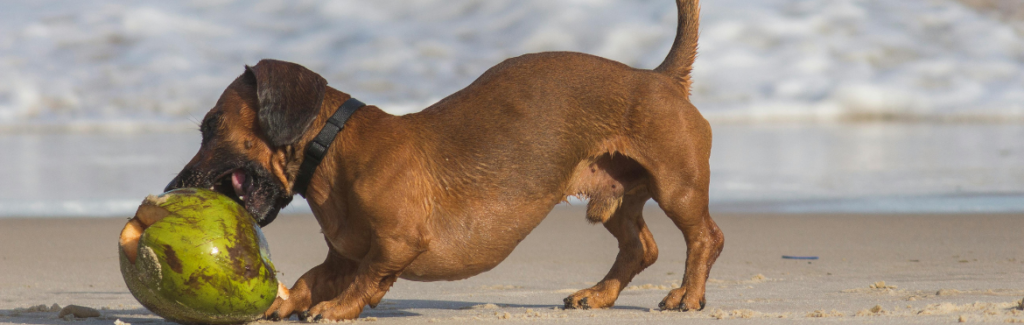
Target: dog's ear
(289, 96)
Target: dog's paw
(589, 299)
(288, 302)
(281, 309)
(333, 310)
(275, 312)
(571, 303)
(679, 301)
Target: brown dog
(448, 192)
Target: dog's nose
(171, 185)
(176, 182)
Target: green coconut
(195, 256)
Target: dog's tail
(679, 61)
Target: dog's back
(531, 119)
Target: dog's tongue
(237, 179)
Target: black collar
(317, 149)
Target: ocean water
(131, 65)
(846, 105)
(868, 167)
(782, 168)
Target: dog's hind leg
(687, 207)
(680, 176)
(672, 141)
(637, 251)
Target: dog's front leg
(323, 282)
(374, 276)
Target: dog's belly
(476, 241)
(466, 245)
(437, 266)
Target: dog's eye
(207, 130)
(209, 127)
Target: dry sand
(872, 269)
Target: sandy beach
(935, 269)
(882, 137)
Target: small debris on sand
(506, 315)
(500, 287)
(648, 286)
(738, 313)
(822, 314)
(757, 278)
(119, 322)
(881, 285)
(34, 309)
(78, 312)
(985, 308)
(938, 309)
(874, 311)
(484, 306)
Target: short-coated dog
(448, 192)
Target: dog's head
(249, 150)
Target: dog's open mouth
(235, 184)
(249, 185)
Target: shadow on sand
(387, 309)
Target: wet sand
(779, 167)
(935, 269)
